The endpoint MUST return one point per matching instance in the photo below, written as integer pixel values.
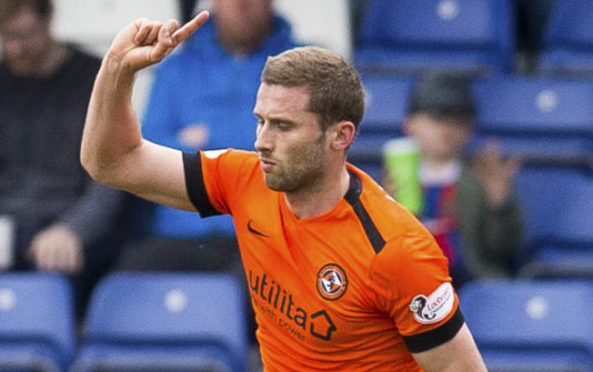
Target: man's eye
(284, 126)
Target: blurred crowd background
(479, 120)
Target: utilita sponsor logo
(272, 299)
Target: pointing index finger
(190, 27)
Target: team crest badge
(331, 282)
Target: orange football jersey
(357, 288)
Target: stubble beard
(303, 169)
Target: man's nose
(263, 138)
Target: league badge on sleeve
(435, 307)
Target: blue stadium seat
(542, 193)
(557, 206)
(541, 119)
(386, 105)
(530, 325)
(165, 322)
(567, 45)
(473, 36)
(36, 322)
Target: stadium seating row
(531, 325)
(541, 119)
(470, 36)
(136, 322)
(196, 322)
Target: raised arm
(113, 151)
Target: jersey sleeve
(213, 178)
(411, 278)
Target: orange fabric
(357, 324)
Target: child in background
(469, 207)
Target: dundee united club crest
(331, 282)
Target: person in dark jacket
(61, 218)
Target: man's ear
(342, 134)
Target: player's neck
(321, 198)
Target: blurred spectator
(470, 207)
(189, 110)
(61, 217)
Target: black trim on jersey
(353, 197)
(435, 337)
(194, 183)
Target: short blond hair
(335, 87)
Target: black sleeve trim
(435, 337)
(194, 183)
